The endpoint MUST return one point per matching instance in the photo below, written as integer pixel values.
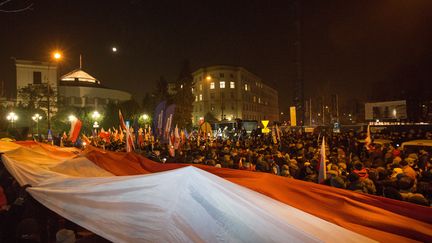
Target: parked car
(415, 146)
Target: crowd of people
(378, 169)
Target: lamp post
(36, 117)
(95, 116)
(12, 117)
(145, 118)
(57, 56)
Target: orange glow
(57, 55)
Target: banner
(169, 114)
(293, 116)
(158, 119)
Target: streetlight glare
(145, 116)
(36, 117)
(57, 55)
(95, 115)
(72, 118)
(208, 78)
(12, 117)
(114, 49)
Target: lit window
(246, 87)
(200, 97)
(196, 98)
(212, 85)
(200, 87)
(212, 107)
(259, 100)
(232, 85)
(222, 84)
(181, 86)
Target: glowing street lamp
(72, 118)
(95, 116)
(145, 118)
(12, 117)
(36, 117)
(57, 55)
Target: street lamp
(36, 117)
(57, 56)
(72, 118)
(95, 116)
(145, 118)
(12, 117)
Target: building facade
(231, 92)
(76, 88)
(80, 89)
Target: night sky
(349, 47)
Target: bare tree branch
(28, 7)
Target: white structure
(230, 92)
(34, 72)
(79, 88)
(76, 88)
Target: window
(222, 95)
(222, 84)
(222, 75)
(212, 85)
(212, 107)
(232, 85)
(246, 87)
(254, 99)
(232, 95)
(192, 90)
(37, 77)
(259, 100)
(181, 86)
(196, 97)
(200, 97)
(200, 87)
(231, 75)
(212, 95)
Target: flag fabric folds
(322, 166)
(130, 145)
(178, 200)
(75, 130)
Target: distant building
(76, 88)
(230, 92)
(80, 89)
(386, 111)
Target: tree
(161, 92)
(184, 98)
(149, 103)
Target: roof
(80, 76)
